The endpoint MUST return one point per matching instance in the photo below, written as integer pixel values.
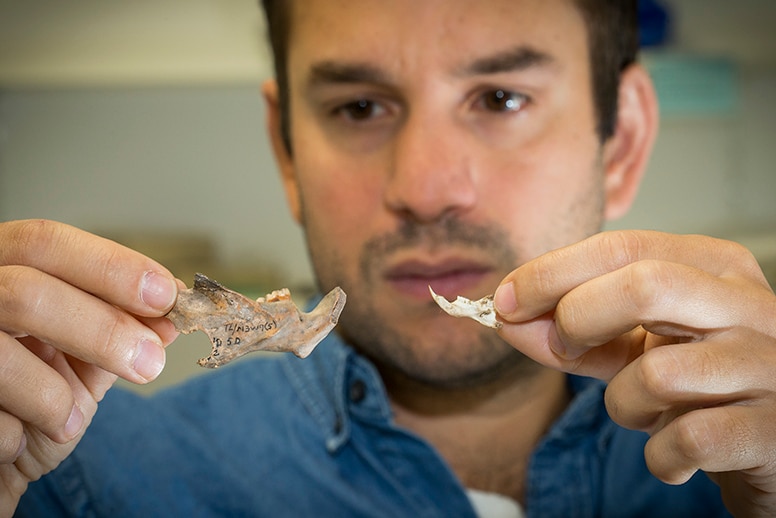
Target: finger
(719, 439)
(666, 298)
(99, 266)
(678, 378)
(538, 339)
(35, 393)
(12, 438)
(602, 322)
(163, 327)
(88, 382)
(95, 380)
(34, 303)
(538, 285)
(677, 301)
(40, 349)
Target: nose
(431, 174)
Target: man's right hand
(76, 311)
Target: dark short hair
(612, 29)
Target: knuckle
(55, 398)
(692, 439)
(619, 248)
(564, 313)
(11, 437)
(18, 295)
(109, 340)
(570, 318)
(50, 401)
(613, 403)
(701, 435)
(30, 391)
(734, 258)
(108, 263)
(26, 240)
(544, 279)
(646, 283)
(733, 250)
(658, 372)
(743, 260)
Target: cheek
(546, 194)
(526, 186)
(339, 207)
(333, 185)
(339, 200)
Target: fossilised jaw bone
(237, 325)
(480, 310)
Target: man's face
(438, 143)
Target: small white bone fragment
(480, 310)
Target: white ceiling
(56, 43)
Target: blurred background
(142, 121)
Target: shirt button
(357, 391)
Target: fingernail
(149, 361)
(558, 347)
(74, 422)
(504, 299)
(157, 290)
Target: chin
(447, 354)
(420, 342)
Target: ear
(285, 162)
(627, 152)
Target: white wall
(715, 174)
(175, 159)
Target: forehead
(402, 34)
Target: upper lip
(424, 269)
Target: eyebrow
(512, 60)
(331, 72)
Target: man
(437, 143)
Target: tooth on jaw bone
(481, 310)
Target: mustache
(450, 232)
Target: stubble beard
(440, 356)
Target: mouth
(448, 278)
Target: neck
(485, 433)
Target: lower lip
(449, 286)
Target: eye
(359, 110)
(503, 101)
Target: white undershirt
(493, 505)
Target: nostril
(430, 196)
(426, 190)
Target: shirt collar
(337, 385)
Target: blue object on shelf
(654, 23)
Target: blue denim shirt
(280, 437)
